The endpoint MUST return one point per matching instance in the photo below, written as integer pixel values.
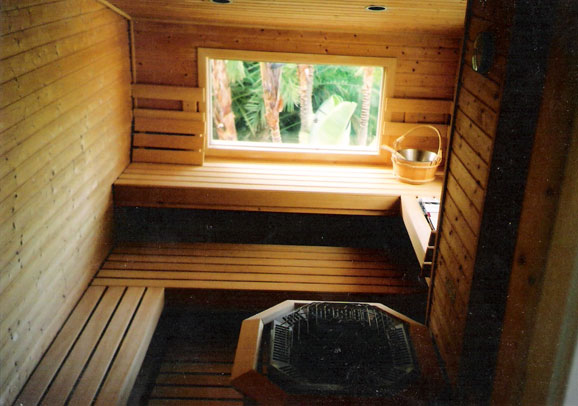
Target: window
(295, 106)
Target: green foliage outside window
(336, 99)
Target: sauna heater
(341, 349)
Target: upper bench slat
(335, 189)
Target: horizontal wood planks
(424, 78)
(256, 267)
(478, 106)
(195, 360)
(169, 136)
(65, 131)
(99, 350)
(424, 64)
(266, 187)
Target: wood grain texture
(271, 187)
(469, 162)
(105, 334)
(169, 136)
(117, 386)
(423, 83)
(65, 78)
(255, 267)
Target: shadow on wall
(180, 225)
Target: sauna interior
(122, 225)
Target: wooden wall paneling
(460, 277)
(26, 216)
(483, 159)
(76, 205)
(18, 111)
(478, 140)
(442, 334)
(461, 227)
(15, 91)
(35, 122)
(23, 41)
(470, 159)
(37, 15)
(25, 62)
(65, 138)
(467, 182)
(47, 318)
(427, 64)
(313, 36)
(419, 105)
(166, 55)
(449, 313)
(477, 110)
(467, 208)
(23, 227)
(48, 161)
(515, 128)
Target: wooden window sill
(274, 187)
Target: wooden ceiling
(444, 17)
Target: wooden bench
(257, 267)
(297, 188)
(97, 354)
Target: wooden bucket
(414, 165)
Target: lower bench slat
(104, 353)
(118, 384)
(80, 354)
(257, 267)
(86, 351)
(56, 354)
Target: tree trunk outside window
(306, 73)
(365, 105)
(223, 116)
(271, 79)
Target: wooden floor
(259, 267)
(190, 360)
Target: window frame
(313, 155)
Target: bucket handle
(398, 141)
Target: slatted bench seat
(97, 354)
(301, 188)
(257, 267)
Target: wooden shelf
(274, 187)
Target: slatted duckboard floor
(256, 267)
(190, 360)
